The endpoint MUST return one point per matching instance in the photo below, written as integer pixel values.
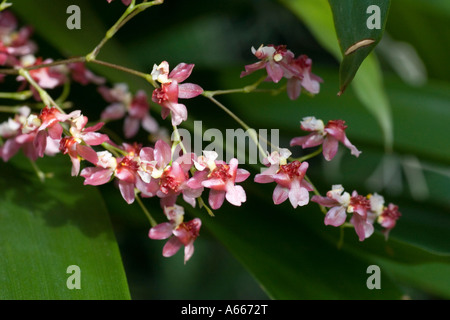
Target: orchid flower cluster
(165, 170)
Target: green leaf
(424, 25)
(46, 228)
(359, 27)
(432, 278)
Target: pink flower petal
(162, 153)
(216, 184)
(150, 124)
(274, 71)
(235, 195)
(253, 67)
(188, 251)
(362, 228)
(171, 247)
(324, 201)
(179, 113)
(96, 176)
(40, 143)
(114, 111)
(298, 196)
(131, 127)
(189, 90)
(127, 191)
(352, 148)
(181, 72)
(146, 154)
(241, 175)
(310, 84)
(280, 194)
(336, 216)
(311, 140)
(294, 88)
(161, 231)
(330, 147)
(87, 153)
(196, 181)
(216, 198)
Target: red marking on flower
(160, 94)
(360, 204)
(292, 169)
(128, 163)
(391, 212)
(360, 201)
(191, 229)
(281, 49)
(168, 183)
(66, 144)
(133, 149)
(221, 172)
(340, 124)
(48, 114)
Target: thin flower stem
(131, 11)
(40, 174)
(138, 9)
(66, 91)
(143, 75)
(46, 99)
(317, 193)
(252, 132)
(9, 109)
(146, 76)
(110, 33)
(311, 155)
(246, 89)
(21, 95)
(114, 150)
(177, 139)
(147, 213)
(13, 71)
(202, 204)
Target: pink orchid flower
(165, 178)
(102, 172)
(329, 136)
(279, 63)
(309, 81)
(50, 127)
(388, 218)
(124, 169)
(84, 76)
(21, 134)
(221, 179)
(342, 203)
(14, 43)
(78, 144)
(289, 179)
(275, 59)
(47, 77)
(172, 89)
(123, 103)
(179, 233)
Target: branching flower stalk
(166, 170)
